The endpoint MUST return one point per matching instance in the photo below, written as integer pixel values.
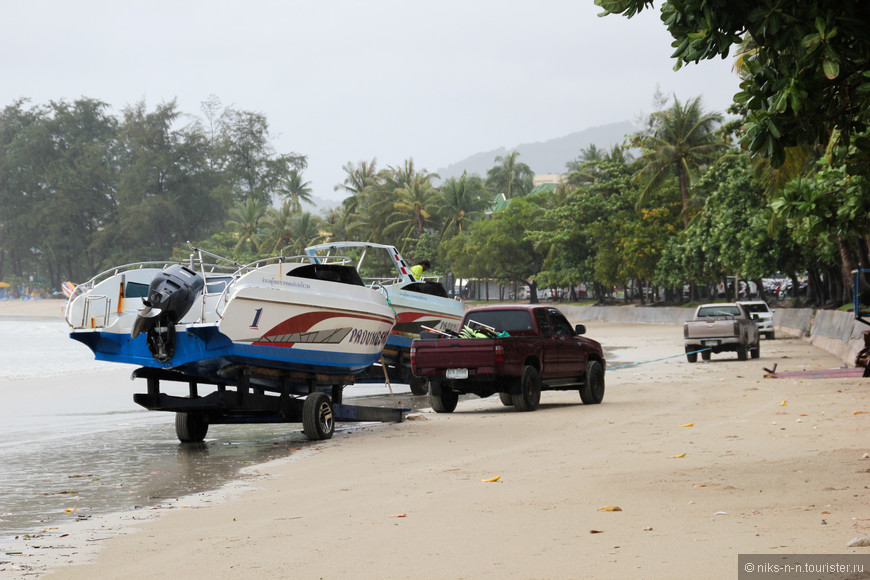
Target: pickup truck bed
(541, 352)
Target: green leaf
(811, 42)
(831, 68)
(820, 26)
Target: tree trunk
(684, 192)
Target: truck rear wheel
(530, 390)
(419, 385)
(691, 356)
(756, 351)
(741, 352)
(442, 398)
(506, 399)
(592, 392)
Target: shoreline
(42, 308)
(763, 463)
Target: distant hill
(547, 156)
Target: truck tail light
(736, 328)
(499, 354)
(685, 331)
(413, 355)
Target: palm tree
(295, 190)
(277, 228)
(356, 180)
(306, 231)
(244, 220)
(510, 177)
(681, 141)
(413, 198)
(461, 202)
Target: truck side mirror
(580, 329)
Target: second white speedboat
(418, 304)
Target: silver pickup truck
(719, 328)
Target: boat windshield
(427, 287)
(328, 273)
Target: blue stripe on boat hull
(203, 351)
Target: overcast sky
(343, 81)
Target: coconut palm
(680, 142)
(244, 220)
(277, 228)
(460, 202)
(296, 190)
(413, 199)
(510, 177)
(357, 178)
(307, 230)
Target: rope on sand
(656, 359)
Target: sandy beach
(704, 461)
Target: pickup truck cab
(526, 349)
(721, 327)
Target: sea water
(74, 445)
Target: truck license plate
(457, 373)
(710, 342)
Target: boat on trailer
(419, 304)
(287, 334)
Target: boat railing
(99, 319)
(381, 280)
(257, 264)
(160, 264)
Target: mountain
(547, 156)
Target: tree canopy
(805, 66)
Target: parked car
(761, 313)
(721, 327)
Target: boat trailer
(241, 400)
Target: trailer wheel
(592, 391)
(442, 398)
(191, 427)
(506, 399)
(419, 385)
(530, 390)
(318, 421)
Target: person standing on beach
(418, 269)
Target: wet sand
(705, 461)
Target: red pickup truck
(530, 349)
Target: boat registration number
(457, 373)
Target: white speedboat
(417, 303)
(209, 323)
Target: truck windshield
(718, 311)
(513, 321)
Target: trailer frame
(240, 400)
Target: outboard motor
(170, 296)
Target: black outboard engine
(170, 295)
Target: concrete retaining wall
(834, 331)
